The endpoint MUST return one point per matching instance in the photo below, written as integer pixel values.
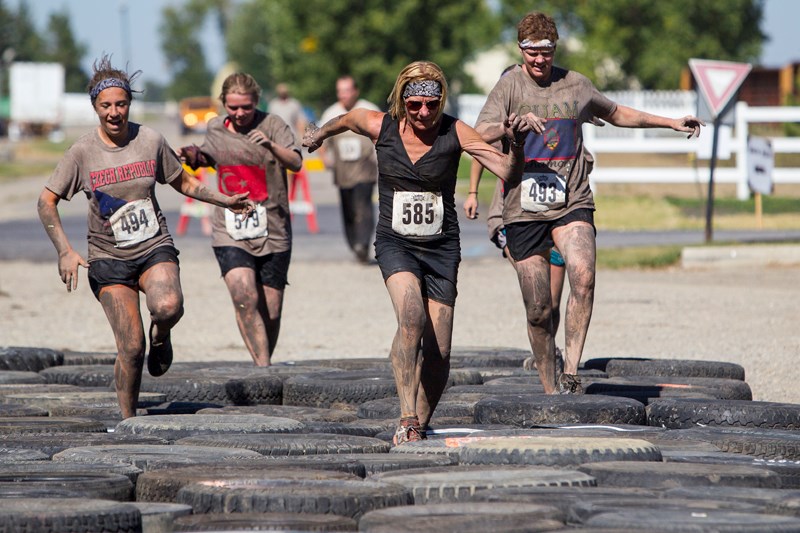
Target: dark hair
(103, 70)
(348, 77)
(240, 83)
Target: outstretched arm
(627, 117)
(502, 165)
(189, 185)
(68, 259)
(361, 121)
(285, 156)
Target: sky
(106, 26)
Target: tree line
(618, 44)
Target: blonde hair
(416, 71)
(240, 83)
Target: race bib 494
(134, 222)
(418, 214)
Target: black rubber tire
(763, 443)
(675, 413)
(648, 388)
(74, 515)
(264, 522)
(16, 455)
(140, 455)
(339, 497)
(690, 520)
(221, 389)
(85, 399)
(16, 409)
(448, 406)
(48, 424)
(471, 356)
(789, 471)
(88, 375)
(338, 463)
(471, 517)
(449, 484)
(674, 368)
(281, 445)
(760, 497)
(163, 485)
(338, 389)
(654, 475)
(20, 376)
(159, 517)
(360, 429)
(103, 486)
(556, 451)
(503, 389)
(175, 427)
(368, 364)
(563, 497)
(301, 414)
(89, 358)
(28, 358)
(183, 408)
(59, 468)
(51, 444)
(526, 411)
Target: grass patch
(638, 257)
(13, 171)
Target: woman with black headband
(130, 249)
(417, 238)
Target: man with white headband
(552, 204)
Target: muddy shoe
(559, 361)
(408, 431)
(160, 357)
(569, 384)
(529, 364)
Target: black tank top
(436, 171)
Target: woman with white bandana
(417, 242)
(130, 249)
(551, 203)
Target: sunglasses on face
(416, 105)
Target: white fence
(732, 141)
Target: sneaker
(408, 431)
(160, 357)
(529, 364)
(559, 361)
(569, 384)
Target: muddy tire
(21, 484)
(89, 358)
(647, 388)
(45, 468)
(29, 359)
(450, 485)
(75, 515)
(16, 455)
(390, 408)
(176, 427)
(15, 409)
(264, 522)
(465, 517)
(19, 376)
(772, 444)
(526, 411)
(301, 414)
(674, 368)
(163, 485)
(690, 520)
(789, 471)
(687, 413)
(464, 357)
(340, 388)
(80, 375)
(221, 389)
(51, 444)
(667, 475)
(142, 454)
(31, 425)
(282, 445)
(338, 497)
(556, 451)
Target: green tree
(180, 29)
(310, 44)
(27, 43)
(61, 47)
(624, 43)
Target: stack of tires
(652, 445)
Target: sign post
(717, 82)
(761, 162)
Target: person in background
(289, 109)
(355, 169)
(117, 166)
(251, 151)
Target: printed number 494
(134, 221)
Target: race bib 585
(418, 214)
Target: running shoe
(569, 384)
(408, 431)
(160, 358)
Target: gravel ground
(341, 309)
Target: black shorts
(526, 239)
(435, 263)
(271, 270)
(105, 272)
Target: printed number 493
(418, 213)
(134, 221)
(539, 192)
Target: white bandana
(544, 43)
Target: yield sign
(718, 81)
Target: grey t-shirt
(125, 220)
(243, 166)
(556, 176)
(354, 155)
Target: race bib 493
(542, 191)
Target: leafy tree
(26, 41)
(61, 47)
(184, 55)
(310, 44)
(624, 43)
